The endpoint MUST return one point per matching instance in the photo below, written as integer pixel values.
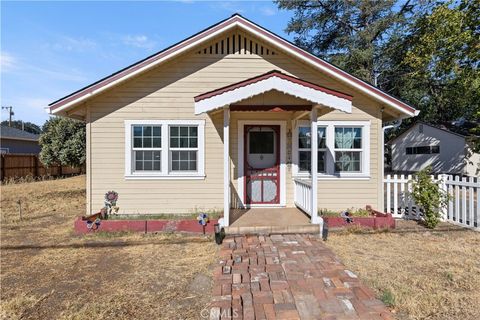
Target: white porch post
(226, 167)
(314, 164)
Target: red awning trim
(267, 75)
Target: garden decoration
(346, 215)
(110, 202)
(93, 221)
(203, 220)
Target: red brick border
(190, 225)
(378, 220)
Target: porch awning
(273, 80)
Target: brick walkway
(288, 277)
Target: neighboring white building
(424, 145)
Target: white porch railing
(303, 195)
(463, 207)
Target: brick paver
(288, 277)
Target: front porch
(270, 221)
(262, 118)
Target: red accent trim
(271, 74)
(221, 25)
(270, 108)
(275, 169)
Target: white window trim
(165, 172)
(330, 173)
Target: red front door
(262, 164)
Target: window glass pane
(304, 137)
(183, 142)
(193, 132)
(193, 143)
(157, 142)
(304, 161)
(321, 161)
(147, 142)
(348, 138)
(183, 137)
(261, 142)
(184, 131)
(322, 138)
(147, 131)
(137, 142)
(174, 142)
(348, 161)
(147, 160)
(175, 166)
(137, 131)
(184, 160)
(157, 132)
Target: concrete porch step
(308, 228)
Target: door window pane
(261, 142)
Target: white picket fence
(463, 206)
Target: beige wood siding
(166, 93)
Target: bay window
(164, 149)
(343, 149)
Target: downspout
(384, 129)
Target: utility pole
(10, 114)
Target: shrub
(428, 195)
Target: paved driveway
(288, 277)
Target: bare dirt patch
(47, 272)
(422, 274)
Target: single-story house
(422, 145)
(223, 120)
(13, 140)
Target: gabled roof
(413, 125)
(236, 20)
(17, 134)
(273, 80)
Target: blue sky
(50, 49)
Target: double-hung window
(164, 149)
(348, 149)
(305, 152)
(343, 149)
(147, 148)
(183, 148)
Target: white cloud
(7, 61)
(231, 6)
(67, 43)
(268, 11)
(139, 41)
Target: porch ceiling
(273, 80)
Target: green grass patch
(388, 298)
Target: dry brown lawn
(422, 274)
(47, 272)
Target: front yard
(421, 274)
(49, 273)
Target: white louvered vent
(236, 43)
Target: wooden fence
(15, 166)
(464, 198)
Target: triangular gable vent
(236, 43)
